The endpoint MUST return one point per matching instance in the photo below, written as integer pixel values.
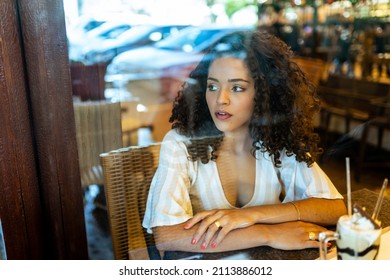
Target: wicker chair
(127, 174)
(98, 130)
(314, 68)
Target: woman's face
(230, 94)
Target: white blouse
(181, 188)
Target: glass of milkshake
(357, 237)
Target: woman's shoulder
(174, 141)
(174, 135)
(174, 146)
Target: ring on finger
(217, 224)
(312, 236)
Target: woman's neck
(238, 143)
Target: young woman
(238, 168)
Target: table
(364, 198)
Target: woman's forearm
(226, 224)
(314, 210)
(176, 238)
(321, 211)
(286, 236)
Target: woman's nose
(223, 97)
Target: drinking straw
(380, 200)
(348, 186)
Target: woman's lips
(222, 115)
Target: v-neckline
(222, 192)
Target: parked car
(94, 37)
(77, 30)
(137, 36)
(168, 61)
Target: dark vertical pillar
(20, 205)
(48, 75)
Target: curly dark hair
(285, 101)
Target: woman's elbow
(163, 245)
(164, 239)
(339, 209)
(159, 240)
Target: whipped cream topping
(359, 222)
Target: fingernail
(186, 226)
(193, 241)
(214, 245)
(329, 244)
(204, 246)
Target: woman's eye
(212, 87)
(238, 89)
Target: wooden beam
(20, 204)
(47, 67)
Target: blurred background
(128, 59)
(143, 50)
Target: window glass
(3, 255)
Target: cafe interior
(78, 149)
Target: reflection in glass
(3, 255)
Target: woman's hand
(216, 224)
(294, 235)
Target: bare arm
(321, 211)
(314, 210)
(287, 236)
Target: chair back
(312, 67)
(98, 130)
(128, 173)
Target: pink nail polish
(186, 226)
(214, 245)
(193, 241)
(204, 246)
